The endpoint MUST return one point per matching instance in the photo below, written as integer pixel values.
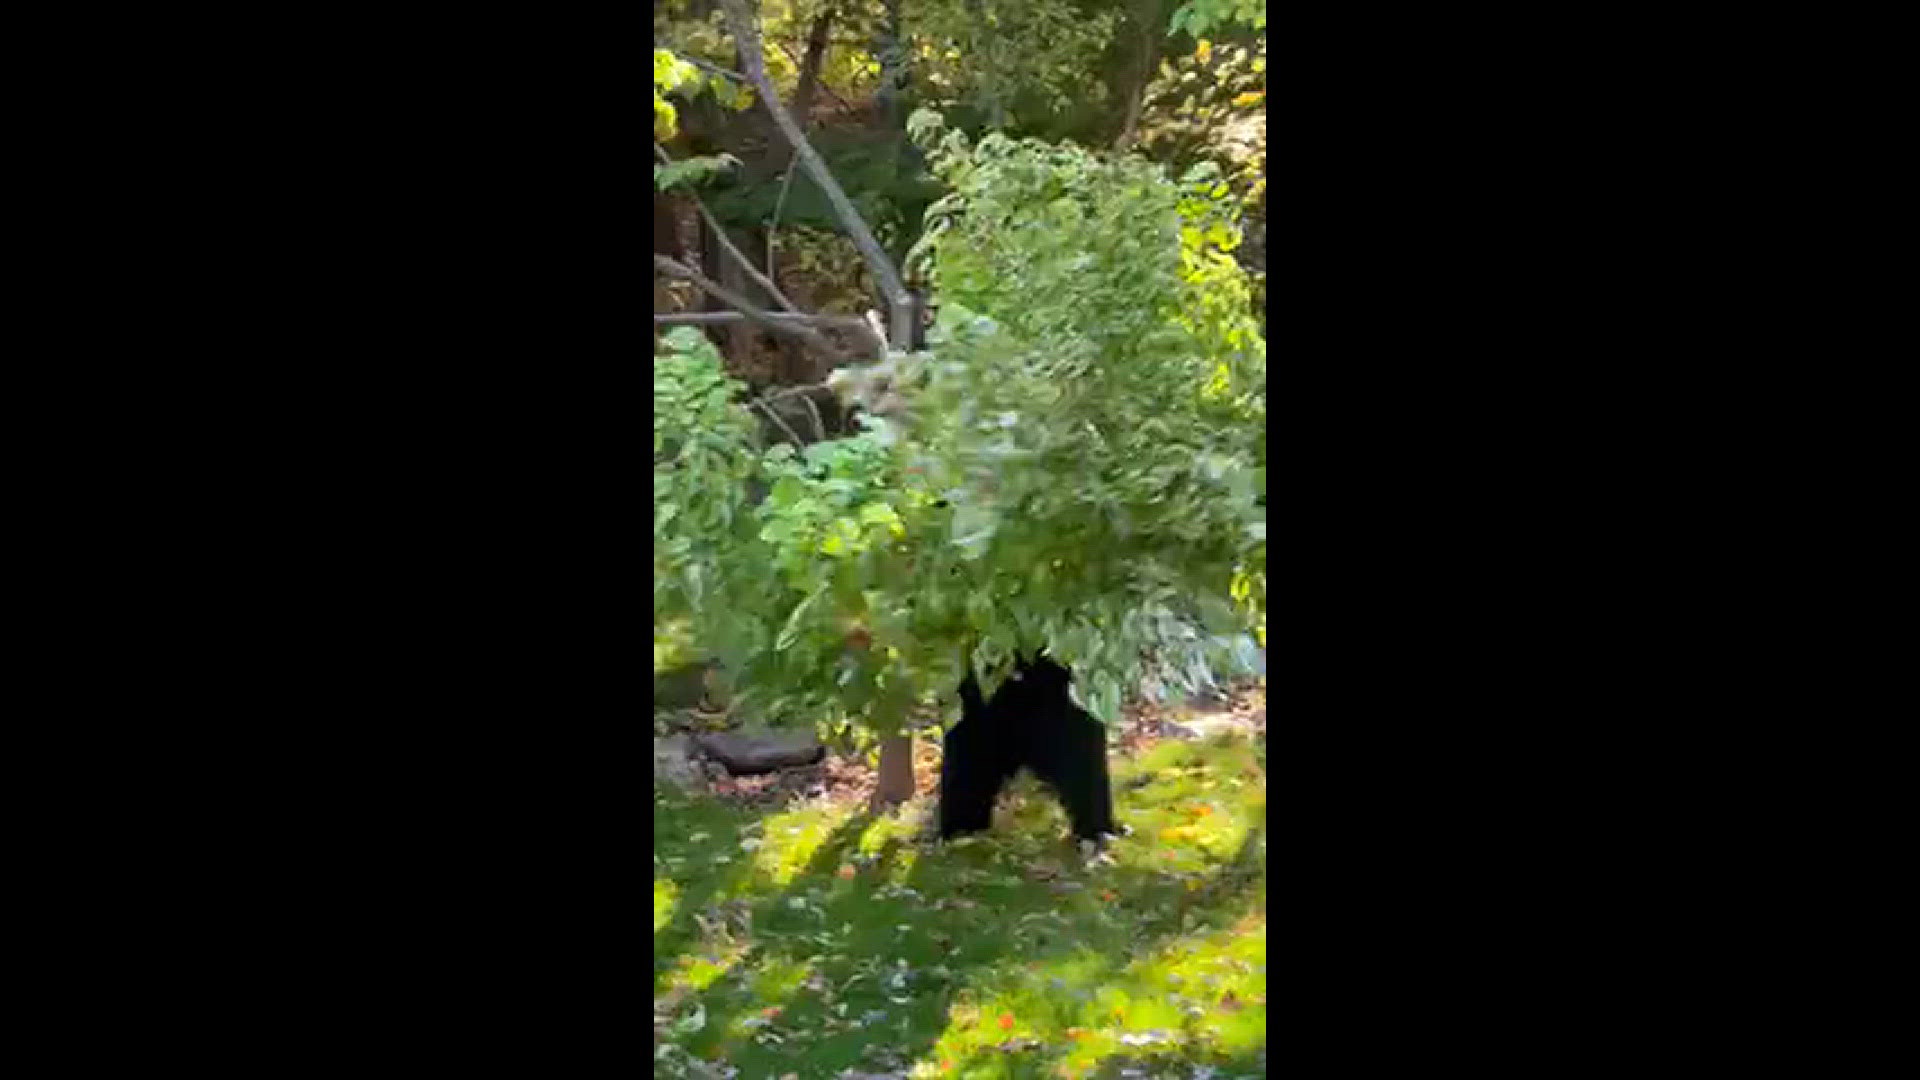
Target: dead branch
(819, 427)
(802, 388)
(710, 318)
(746, 34)
(775, 417)
(778, 203)
(789, 327)
(726, 242)
(714, 68)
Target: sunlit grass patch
(788, 842)
(832, 938)
(665, 895)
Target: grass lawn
(805, 942)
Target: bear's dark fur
(1030, 721)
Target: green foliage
(692, 171)
(672, 75)
(834, 530)
(703, 457)
(1210, 107)
(1095, 412)
(1079, 464)
(707, 37)
(887, 183)
(804, 594)
(1199, 17)
(1013, 63)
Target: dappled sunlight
(789, 841)
(1199, 996)
(772, 981)
(699, 972)
(666, 895)
(825, 938)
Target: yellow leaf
(1204, 51)
(1251, 97)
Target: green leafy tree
(1202, 17)
(1012, 65)
(1209, 106)
(1078, 464)
(1095, 417)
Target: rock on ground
(673, 763)
(752, 751)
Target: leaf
(791, 630)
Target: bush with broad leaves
(1077, 463)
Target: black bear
(1032, 722)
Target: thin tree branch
(746, 34)
(739, 303)
(819, 427)
(765, 408)
(778, 203)
(789, 391)
(709, 318)
(726, 242)
(715, 68)
(819, 82)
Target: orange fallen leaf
(1006, 1021)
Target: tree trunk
(892, 51)
(1152, 27)
(895, 784)
(810, 68)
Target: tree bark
(810, 67)
(891, 50)
(746, 32)
(1152, 28)
(796, 330)
(895, 784)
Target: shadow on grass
(889, 952)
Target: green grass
(811, 941)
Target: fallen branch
(789, 391)
(726, 242)
(819, 426)
(765, 408)
(746, 34)
(790, 327)
(710, 318)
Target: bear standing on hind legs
(1030, 721)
